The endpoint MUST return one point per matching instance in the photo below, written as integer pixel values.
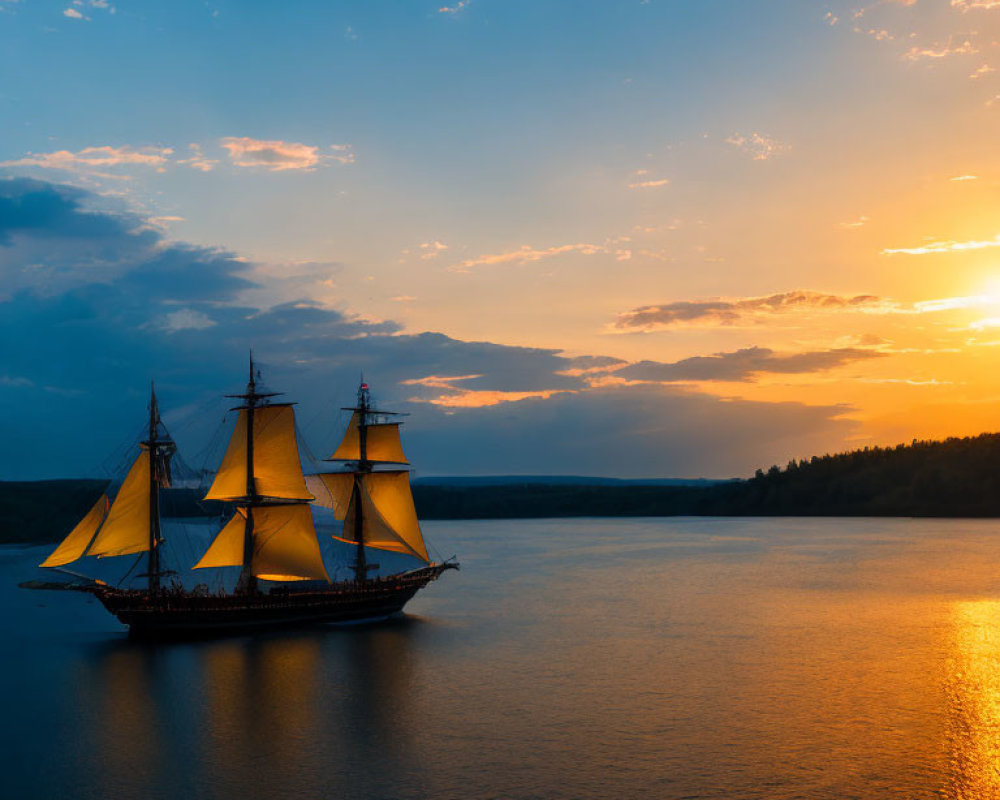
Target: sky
(634, 238)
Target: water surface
(592, 658)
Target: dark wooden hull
(176, 614)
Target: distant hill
(953, 478)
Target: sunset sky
(631, 238)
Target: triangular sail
(285, 546)
(75, 544)
(126, 529)
(277, 470)
(227, 548)
(381, 443)
(381, 531)
(332, 490)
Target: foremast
(160, 449)
(131, 524)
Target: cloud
(969, 5)
(72, 13)
(649, 184)
(432, 249)
(740, 311)
(744, 365)
(197, 160)
(459, 397)
(94, 160)
(630, 431)
(455, 8)
(758, 146)
(528, 254)
(98, 303)
(56, 238)
(278, 156)
(964, 47)
(942, 247)
(860, 222)
(185, 319)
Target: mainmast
(271, 536)
(153, 448)
(248, 581)
(361, 566)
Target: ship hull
(183, 615)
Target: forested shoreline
(951, 478)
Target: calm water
(678, 658)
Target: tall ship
(270, 535)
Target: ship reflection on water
(306, 713)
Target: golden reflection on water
(261, 706)
(123, 730)
(973, 688)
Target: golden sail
(76, 543)
(382, 442)
(284, 544)
(388, 516)
(276, 469)
(126, 529)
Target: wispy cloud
(432, 250)
(277, 156)
(197, 159)
(964, 178)
(728, 312)
(93, 160)
(969, 5)
(750, 311)
(757, 145)
(982, 71)
(527, 254)
(651, 184)
(459, 397)
(942, 247)
(937, 51)
(184, 319)
(744, 365)
(455, 8)
(860, 222)
(73, 11)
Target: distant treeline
(953, 478)
(45, 511)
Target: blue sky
(647, 238)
